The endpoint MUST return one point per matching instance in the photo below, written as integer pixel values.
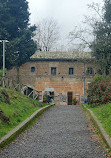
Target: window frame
(53, 71)
(90, 71)
(32, 69)
(71, 71)
(99, 72)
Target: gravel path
(61, 132)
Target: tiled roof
(61, 55)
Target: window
(32, 69)
(53, 71)
(99, 72)
(89, 71)
(71, 71)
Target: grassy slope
(20, 108)
(103, 113)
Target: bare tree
(98, 35)
(83, 36)
(79, 36)
(47, 34)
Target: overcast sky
(68, 13)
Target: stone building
(59, 73)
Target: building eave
(61, 60)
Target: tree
(107, 13)
(47, 34)
(100, 30)
(78, 38)
(14, 26)
(101, 45)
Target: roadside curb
(17, 130)
(105, 136)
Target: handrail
(9, 83)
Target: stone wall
(25, 75)
(62, 88)
(62, 82)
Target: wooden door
(69, 95)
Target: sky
(68, 13)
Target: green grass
(21, 108)
(103, 113)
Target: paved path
(61, 132)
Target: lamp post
(84, 80)
(4, 41)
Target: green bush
(1, 74)
(1, 71)
(97, 78)
(1, 98)
(99, 92)
(74, 101)
(44, 98)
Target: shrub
(99, 92)
(97, 78)
(1, 74)
(74, 101)
(44, 98)
(1, 98)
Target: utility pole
(4, 41)
(84, 80)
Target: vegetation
(15, 108)
(103, 113)
(101, 45)
(99, 100)
(74, 101)
(1, 74)
(47, 34)
(100, 31)
(97, 78)
(99, 92)
(15, 28)
(44, 98)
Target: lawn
(103, 113)
(20, 108)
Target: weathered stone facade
(62, 74)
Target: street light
(4, 41)
(84, 80)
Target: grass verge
(19, 109)
(97, 135)
(103, 113)
(25, 125)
